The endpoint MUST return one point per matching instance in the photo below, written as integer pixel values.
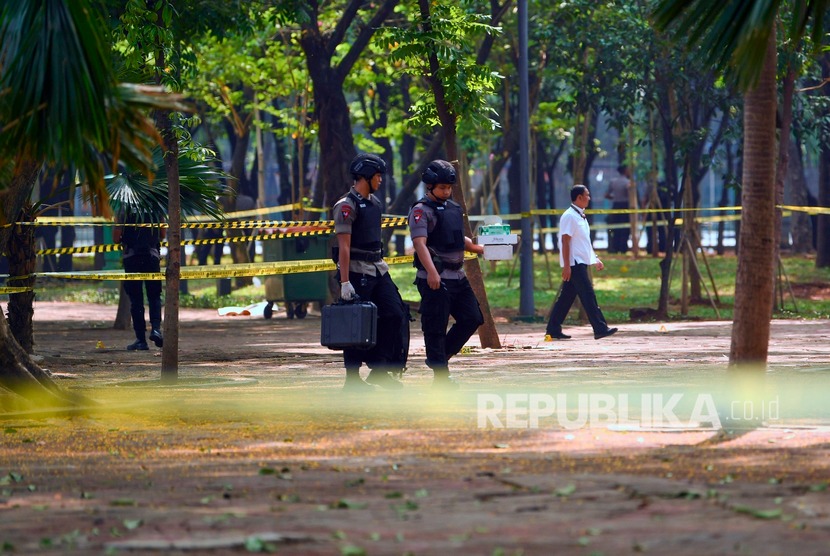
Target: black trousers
(204, 251)
(618, 238)
(383, 292)
(133, 288)
(454, 298)
(579, 285)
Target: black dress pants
(454, 298)
(579, 285)
(133, 289)
(618, 237)
(383, 292)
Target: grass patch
(625, 283)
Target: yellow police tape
(556, 212)
(194, 221)
(220, 271)
(16, 289)
(388, 221)
(207, 222)
(107, 248)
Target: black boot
(382, 378)
(442, 380)
(356, 384)
(156, 337)
(140, 345)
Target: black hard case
(349, 325)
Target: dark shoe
(605, 334)
(356, 384)
(444, 382)
(556, 336)
(140, 345)
(382, 379)
(157, 338)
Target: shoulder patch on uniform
(345, 210)
(417, 214)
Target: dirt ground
(257, 448)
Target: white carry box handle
(496, 238)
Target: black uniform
(141, 253)
(369, 275)
(443, 226)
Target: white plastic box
(497, 240)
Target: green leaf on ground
(566, 490)
(132, 524)
(254, 544)
(760, 514)
(344, 504)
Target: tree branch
(363, 38)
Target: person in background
(436, 225)
(575, 255)
(363, 272)
(141, 252)
(618, 194)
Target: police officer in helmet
(436, 225)
(363, 272)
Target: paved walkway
(257, 448)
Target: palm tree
(738, 37)
(60, 105)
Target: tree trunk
(781, 170)
(823, 220)
(239, 250)
(800, 221)
(755, 275)
(487, 333)
(22, 260)
(32, 386)
(330, 107)
(18, 373)
(122, 316)
(170, 349)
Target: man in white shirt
(575, 255)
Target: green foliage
(61, 104)
(627, 283)
(453, 34)
(200, 187)
(734, 33)
(56, 77)
(261, 68)
(146, 30)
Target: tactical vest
(366, 230)
(448, 234)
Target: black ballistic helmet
(438, 171)
(366, 165)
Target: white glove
(346, 291)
